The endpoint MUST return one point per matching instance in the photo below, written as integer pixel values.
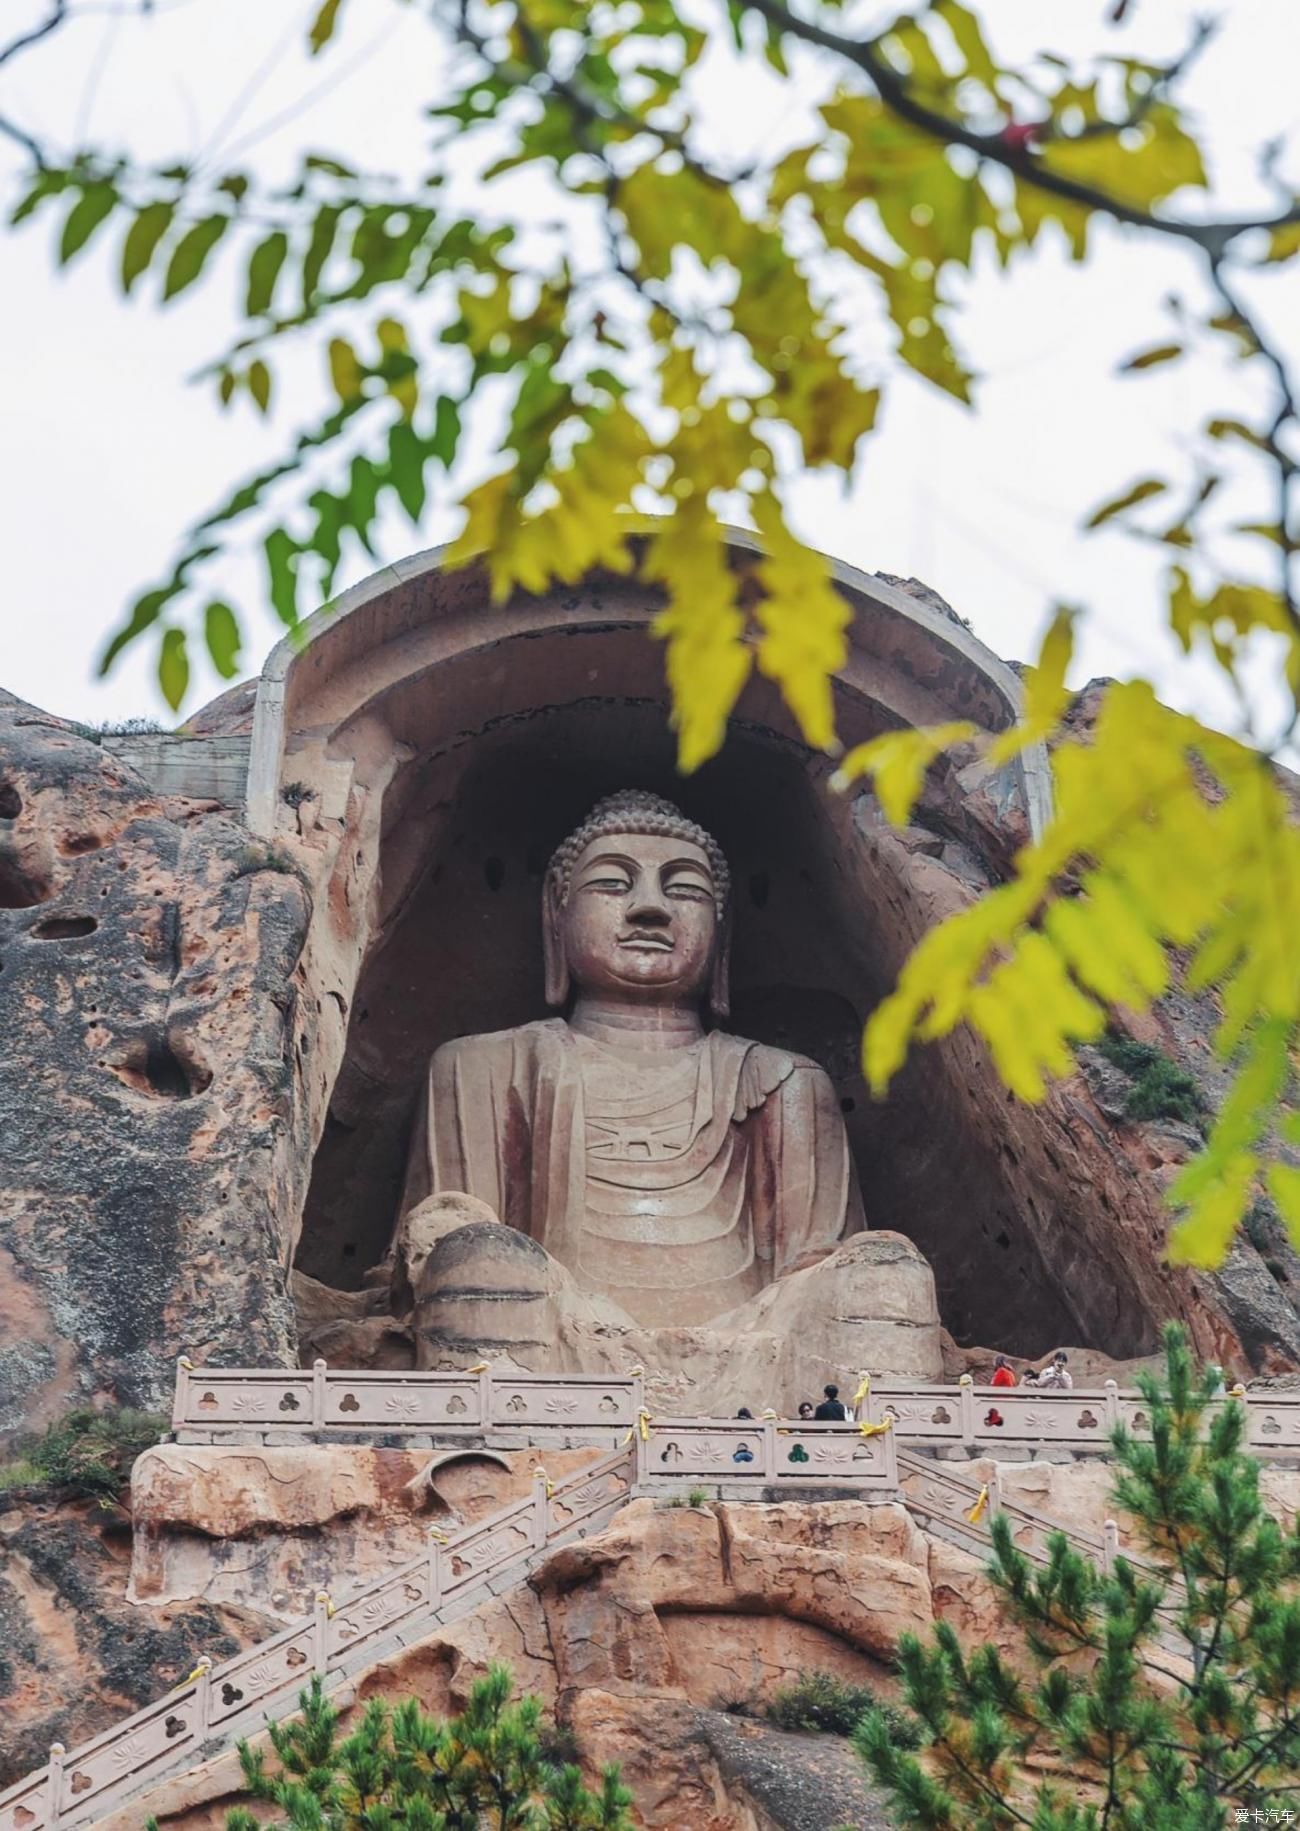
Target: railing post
(317, 1394)
(1112, 1405)
(638, 1392)
(181, 1397)
(891, 1459)
(966, 1406)
(1110, 1545)
(541, 1509)
(321, 1633)
(202, 1697)
(769, 1446)
(995, 1490)
(433, 1548)
(54, 1788)
(485, 1396)
(862, 1408)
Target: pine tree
(1166, 1694)
(401, 1770)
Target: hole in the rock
(848, 1104)
(1002, 1239)
(64, 928)
(19, 889)
(494, 873)
(760, 886)
(11, 802)
(77, 843)
(164, 1068)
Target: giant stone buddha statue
(671, 1173)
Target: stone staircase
(216, 1707)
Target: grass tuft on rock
(86, 1455)
(819, 1702)
(1160, 1088)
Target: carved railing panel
(391, 1402)
(692, 1447)
(252, 1678)
(550, 1404)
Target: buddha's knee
(482, 1286)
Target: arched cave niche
(479, 745)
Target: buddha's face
(641, 917)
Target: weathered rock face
(147, 1030)
(75, 1655)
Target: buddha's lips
(647, 944)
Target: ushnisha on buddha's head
(635, 907)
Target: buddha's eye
(684, 890)
(617, 886)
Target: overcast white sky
(107, 453)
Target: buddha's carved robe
(679, 1183)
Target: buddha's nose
(650, 911)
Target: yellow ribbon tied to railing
(480, 1367)
(863, 1389)
(539, 1474)
(440, 1537)
(204, 1665)
(980, 1508)
(867, 1429)
(642, 1425)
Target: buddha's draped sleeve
(487, 1099)
(803, 1186)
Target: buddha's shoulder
(766, 1074)
(768, 1058)
(500, 1045)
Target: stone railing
(216, 1402)
(218, 1705)
(765, 1451)
(989, 1418)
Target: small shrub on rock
(86, 1455)
(820, 1702)
(1161, 1089)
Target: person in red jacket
(1002, 1376)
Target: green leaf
(406, 459)
(259, 384)
(264, 266)
(282, 554)
(142, 240)
(345, 370)
(324, 26)
(1137, 492)
(93, 206)
(191, 252)
(446, 432)
(45, 186)
(173, 667)
(143, 614)
(1147, 359)
(323, 231)
(221, 633)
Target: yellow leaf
(1284, 1186)
(803, 619)
(897, 762)
(707, 660)
(1204, 1237)
(1045, 693)
(1284, 242)
(1137, 492)
(345, 370)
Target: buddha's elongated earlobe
(555, 965)
(720, 977)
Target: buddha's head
(635, 903)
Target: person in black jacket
(832, 1409)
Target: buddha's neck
(631, 1024)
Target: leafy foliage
(1161, 1089)
(403, 1769)
(820, 1701)
(1167, 1692)
(86, 1455)
(679, 337)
